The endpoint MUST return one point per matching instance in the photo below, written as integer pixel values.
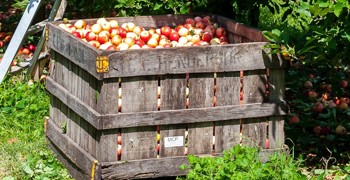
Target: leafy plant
(241, 162)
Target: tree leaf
(338, 9)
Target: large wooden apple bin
(85, 119)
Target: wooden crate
(85, 119)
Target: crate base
(67, 152)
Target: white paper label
(175, 141)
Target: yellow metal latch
(102, 64)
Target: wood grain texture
(77, 156)
(107, 145)
(201, 59)
(276, 123)
(254, 86)
(73, 102)
(146, 168)
(171, 131)
(227, 93)
(241, 30)
(254, 131)
(108, 97)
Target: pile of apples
(110, 35)
(5, 38)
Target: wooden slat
(108, 97)
(254, 132)
(76, 155)
(227, 93)
(200, 59)
(173, 96)
(72, 102)
(190, 115)
(276, 93)
(241, 30)
(139, 94)
(107, 145)
(200, 135)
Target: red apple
(200, 25)
(119, 138)
(90, 36)
(123, 46)
(224, 39)
(343, 106)
(2, 44)
(139, 42)
(158, 147)
(308, 84)
(178, 27)
(137, 30)
(103, 37)
(197, 19)
(113, 31)
(210, 29)
(220, 32)
(318, 107)
(156, 36)
(94, 43)
(116, 40)
(207, 36)
(206, 20)
(174, 36)
(26, 51)
(317, 129)
(122, 32)
(294, 120)
(343, 83)
(77, 34)
(31, 47)
(129, 41)
(112, 48)
(119, 153)
(145, 36)
(267, 144)
(166, 31)
(152, 31)
(190, 21)
(163, 42)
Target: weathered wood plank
(276, 93)
(254, 131)
(139, 94)
(254, 86)
(107, 145)
(184, 116)
(241, 30)
(76, 50)
(227, 133)
(146, 168)
(200, 135)
(72, 102)
(225, 58)
(168, 131)
(108, 97)
(77, 156)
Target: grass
(23, 150)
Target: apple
(345, 100)
(26, 51)
(343, 83)
(294, 120)
(80, 24)
(328, 87)
(139, 42)
(267, 144)
(183, 40)
(163, 42)
(206, 20)
(113, 31)
(308, 84)
(186, 151)
(3, 35)
(197, 19)
(146, 46)
(105, 46)
(210, 29)
(119, 138)
(14, 62)
(119, 153)
(340, 130)
(112, 48)
(152, 31)
(190, 21)
(183, 31)
(96, 28)
(331, 105)
(166, 31)
(224, 39)
(220, 32)
(129, 41)
(94, 43)
(135, 46)
(207, 36)
(325, 130)
(77, 34)
(137, 30)
(101, 20)
(174, 36)
(318, 107)
(198, 32)
(158, 147)
(103, 37)
(153, 42)
(215, 41)
(8, 38)
(90, 36)
(31, 47)
(106, 25)
(2, 43)
(200, 25)
(156, 36)
(189, 26)
(195, 38)
(145, 36)
(131, 35)
(343, 106)
(123, 46)
(178, 27)
(114, 23)
(317, 129)
(312, 94)
(122, 32)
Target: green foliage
(241, 162)
(23, 151)
(325, 38)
